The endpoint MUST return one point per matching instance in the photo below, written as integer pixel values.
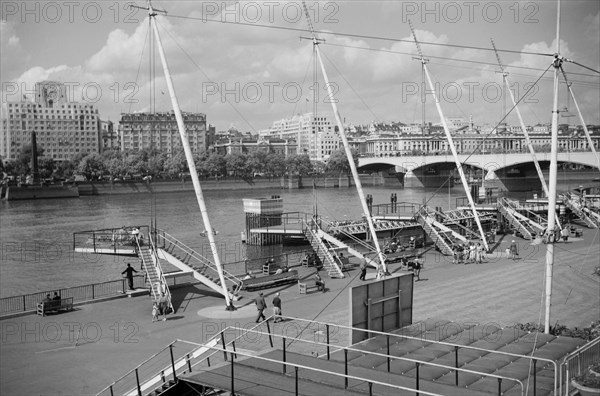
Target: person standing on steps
(129, 274)
(261, 305)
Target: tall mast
(189, 157)
(527, 139)
(552, 182)
(587, 133)
(347, 150)
(450, 141)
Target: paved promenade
(38, 355)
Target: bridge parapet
(489, 162)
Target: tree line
(121, 165)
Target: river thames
(37, 236)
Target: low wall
(138, 186)
(14, 193)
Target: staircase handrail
(206, 262)
(354, 239)
(326, 252)
(456, 220)
(159, 271)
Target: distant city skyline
(100, 50)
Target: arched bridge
(489, 162)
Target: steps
(510, 215)
(575, 207)
(203, 269)
(322, 251)
(152, 277)
(441, 239)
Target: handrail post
(296, 369)
(327, 335)
(370, 389)
(224, 346)
(284, 358)
(269, 332)
(172, 362)
(111, 391)
(189, 362)
(534, 377)
(94, 240)
(346, 368)
(417, 378)
(232, 375)
(387, 341)
(456, 365)
(234, 351)
(137, 381)
(499, 386)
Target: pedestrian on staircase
(129, 274)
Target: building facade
(315, 136)
(108, 136)
(138, 131)
(63, 129)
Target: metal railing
(190, 253)
(574, 364)
(28, 302)
(162, 287)
(113, 240)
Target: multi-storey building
(63, 129)
(138, 131)
(108, 136)
(315, 135)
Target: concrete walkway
(39, 355)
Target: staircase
(322, 251)
(154, 273)
(576, 208)
(441, 239)
(511, 215)
(334, 241)
(203, 269)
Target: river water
(36, 237)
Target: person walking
(277, 308)
(363, 269)
(260, 306)
(129, 274)
(514, 252)
(163, 305)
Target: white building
(138, 131)
(63, 129)
(316, 136)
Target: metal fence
(576, 363)
(94, 291)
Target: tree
(215, 165)
(64, 169)
(257, 162)
(275, 164)
(237, 165)
(176, 164)
(298, 164)
(338, 161)
(91, 166)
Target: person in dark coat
(261, 305)
(129, 274)
(277, 309)
(363, 270)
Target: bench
(267, 281)
(55, 305)
(306, 285)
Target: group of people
(160, 307)
(261, 305)
(49, 299)
(469, 253)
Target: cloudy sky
(250, 73)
